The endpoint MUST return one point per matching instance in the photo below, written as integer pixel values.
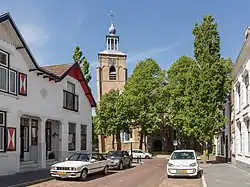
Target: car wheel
(129, 164)
(147, 157)
(58, 178)
(169, 176)
(121, 166)
(198, 176)
(84, 174)
(105, 170)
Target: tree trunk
(118, 141)
(113, 142)
(141, 141)
(204, 153)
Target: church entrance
(157, 146)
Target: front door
(226, 149)
(22, 142)
(48, 138)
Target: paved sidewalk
(225, 175)
(24, 179)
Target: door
(48, 138)
(94, 166)
(141, 154)
(126, 158)
(226, 149)
(22, 129)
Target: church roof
(112, 52)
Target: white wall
(47, 106)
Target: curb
(32, 182)
(204, 184)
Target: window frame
(73, 135)
(8, 72)
(4, 138)
(84, 134)
(75, 106)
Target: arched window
(112, 73)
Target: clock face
(112, 61)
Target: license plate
(61, 173)
(182, 171)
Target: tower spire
(111, 13)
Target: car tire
(168, 176)
(84, 175)
(121, 166)
(130, 164)
(105, 170)
(199, 175)
(58, 178)
(147, 157)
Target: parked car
(183, 163)
(79, 165)
(119, 159)
(138, 153)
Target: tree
(112, 116)
(143, 101)
(84, 64)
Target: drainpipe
(229, 128)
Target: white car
(79, 165)
(183, 163)
(138, 153)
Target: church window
(112, 73)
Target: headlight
(170, 164)
(193, 164)
(116, 161)
(72, 169)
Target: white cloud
(150, 53)
(34, 35)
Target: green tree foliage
(111, 116)
(84, 64)
(198, 87)
(142, 92)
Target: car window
(134, 151)
(185, 155)
(116, 153)
(95, 156)
(84, 157)
(140, 151)
(101, 157)
(126, 154)
(79, 157)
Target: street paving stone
(226, 175)
(152, 173)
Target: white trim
(11, 71)
(6, 55)
(2, 67)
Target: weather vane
(111, 13)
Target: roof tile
(58, 69)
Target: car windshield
(185, 155)
(115, 153)
(79, 157)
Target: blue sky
(161, 29)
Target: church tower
(112, 72)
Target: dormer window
(70, 99)
(8, 77)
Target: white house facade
(241, 111)
(45, 112)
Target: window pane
(72, 128)
(3, 79)
(70, 87)
(70, 101)
(83, 129)
(12, 82)
(1, 138)
(3, 58)
(83, 142)
(2, 119)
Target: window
(240, 132)
(125, 136)
(70, 99)
(248, 135)
(112, 73)
(239, 96)
(24, 134)
(34, 132)
(2, 131)
(72, 137)
(83, 137)
(8, 77)
(246, 81)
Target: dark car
(120, 159)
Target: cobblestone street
(150, 174)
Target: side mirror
(66, 159)
(198, 158)
(167, 159)
(92, 160)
